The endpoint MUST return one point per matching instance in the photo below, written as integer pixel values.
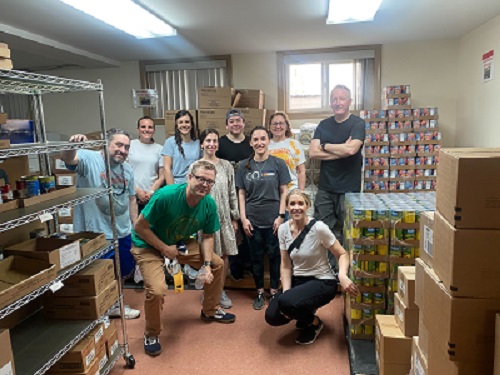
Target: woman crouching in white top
(307, 278)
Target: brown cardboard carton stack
(459, 295)
(405, 310)
(170, 121)
(392, 347)
(5, 61)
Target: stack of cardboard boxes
(457, 278)
(213, 104)
(5, 61)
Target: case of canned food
(399, 113)
(407, 150)
(404, 125)
(376, 150)
(376, 137)
(376, 173)
(376, 162)
(424, 124)
(428, 136)
(402, 162)
(402, 137)
(428, 149)
(403, 100)
(421, 112)
(376, 125)
(396, 89)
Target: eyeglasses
(203, 180)
(281, 123)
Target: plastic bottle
(200, 280)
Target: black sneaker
(152, 345)
(220, 316)
(300, 325)
(308, 335)
(259, 302)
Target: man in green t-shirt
(173, 214)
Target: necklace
(261, 167)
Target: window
(306, 79)
(177, 82)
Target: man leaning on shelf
(95, 215)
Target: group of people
(228, 198)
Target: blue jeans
(127, 262)
(264, 239)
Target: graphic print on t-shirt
(183, 227)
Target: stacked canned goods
(34, 185)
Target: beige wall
(79, 112)
(478, 102)
(430, 68)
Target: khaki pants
(152, 265)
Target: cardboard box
(4, 143)
(66, 228)
(170, 121)
(6, 64)
(58, 165)
(253, 118)
(6, 357)
(212, 119)
(60, 192)
(215, 97)
(81, 307)
(80, 358)
(20, 276)
(249, 99)
(467, 261)
(109, 328)
(112, 344)
(90, 281)
(4, 51)
(3, 118)
(19, 315)
(497, 346)
(406, 286)
(15, 168)
(467, 194)
(393, 348)
(462, 326)
(406, 318)
(65, 215)
(427, 237)
(60, 252)
(97, 334)
(419, 283)
(65, 179)
(89, 241)
(102, 357)
(419, 360)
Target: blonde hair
(306, 197)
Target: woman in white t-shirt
(146, 161)
(283, 146)
(308, 280)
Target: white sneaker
(130, 313)
(225, 301)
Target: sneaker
(259, 301)
(152, 345)
(225, 301)
(220, 316)
(191, 272)
(130, 313)
(300, 325)
(308, 334)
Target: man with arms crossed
(337, 143)
(173, 214)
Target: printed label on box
(419, 370)
(103, 362)
(60, 164)
(65, 212)
(428, 240)
(66, 228)
(7, 369)
(113, 348)
(69, 254)
(65, 180)
(98, 335)
(90, 357)
(402, 288)
(399, 313)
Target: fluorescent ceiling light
(125, 15)
(349, 11)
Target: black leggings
(301, 301)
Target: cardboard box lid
(394, 345)
(468, 194)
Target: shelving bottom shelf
(38, 343)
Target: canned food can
(6, 192)
(356, 314)
(358, 280)
(408, 252)
(33, 187)
(378, 298)
(367, 314)
(357, 249)
(395, 250)
(358, 214)
(355, 232)
(382, 268)
(21, 188)
(409, 234)
(371, 266)
(367, 329)
(370, 249)
(369, 233)
(367, 282)
(47, 184)
(382, 249)
(367, 297)
(381, 214)
(356, 329)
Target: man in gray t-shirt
(94, 215)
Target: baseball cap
(234, 112)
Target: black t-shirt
(341, 175)
(234, 152)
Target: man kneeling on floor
(173, 214)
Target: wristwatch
(282, 216)
(205, 263)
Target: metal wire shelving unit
(38, 343)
